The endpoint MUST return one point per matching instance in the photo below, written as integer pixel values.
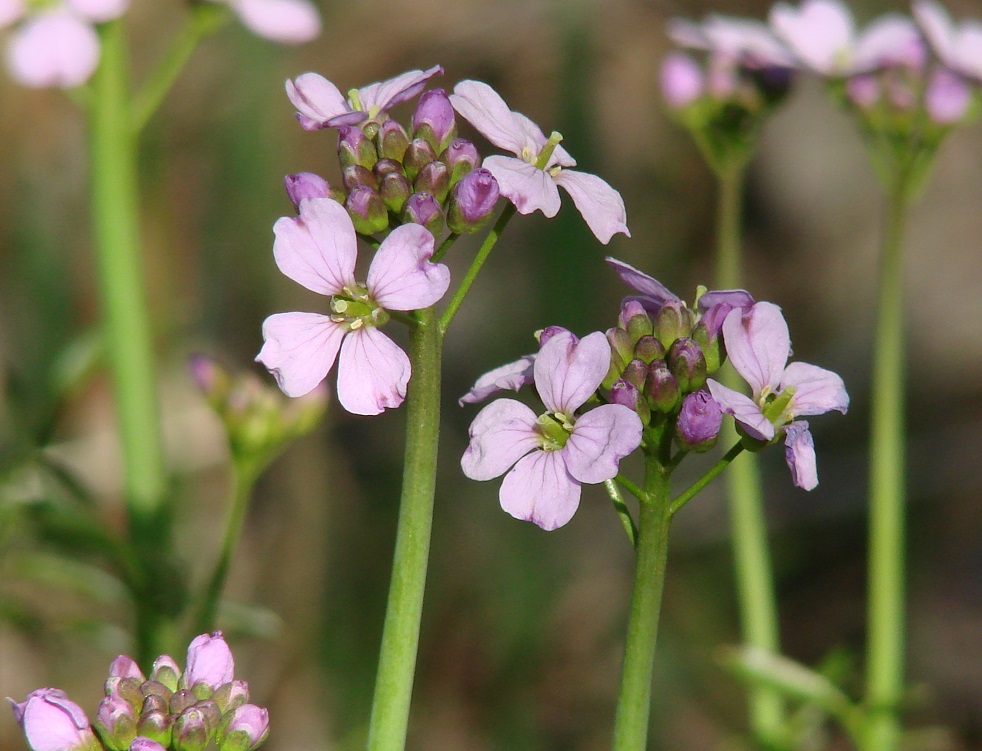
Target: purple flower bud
(395, 189)
(630, 308)
(167, 672)
(124, 666)
(460, 157)
(392, 140)
(367, 210)
(626, 393)
(155, 724)
(434, 119)
(355, 148)
(248, 728)
(129, 688)
(711, 346)
(660, 388)
(193, 729)
(422, 208)
(385, 166)
(181, 700)
(863, 90)
(115, 721)
(354, 175)
(688, 364)
(53, 722)
(635, 373)
(621, 353)
(209, 661)
(698, 422)
(473, 201)
(301, 185)
(681, 80)
(214, 383)
(947, 96)
(142, 743)
(232, 695)
(418, 155)
(158, 689)
(648, 349)
(434, 179)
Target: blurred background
(523, 630)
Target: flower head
(548, 457)
(53, 722)
(530, 178)
(318, 249)
(958, 46)
(320, 104)
(284, 21)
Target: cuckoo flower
(56, 45)
(320, 104)
(284, 21)
(547, 457)
(958, 47)
(738, 41)
(758, 344)
(318, 249)
(530, 178)
(53, 722)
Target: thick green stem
(115, 221)
(885, 644)
(634, 700)
(400, 634)
(754, 575)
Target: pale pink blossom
(735, 41)
(53, 722)
(958, 46)
(284, 21)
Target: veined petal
(501, 434)
(758, 344)
(528, 187)
(99, 11)
(373, 372)
(317, 249)
(539, 489)
(743, 409)
(379, 97)
(799, 452)
(299, 349)
(319, 103)
(601, 207)
(483, 107)
(53, 49)
(509, 377)
(401, 276)
(817, 390)
(600, 439)
(567, 371)
(641, 282)
(285, 21)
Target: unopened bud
(231, 695)
(674, 321)
(648, 349)
(157, 725)
(681, 80)
(639, 325)
(166, 671)
(193, 729)
(621, 353)
(367, 210)
(947, 97)
(181, 700)
(129, 688)
(355, 148)
(473, 201)
(392, 140)
(711, 346)
(115, 721)
(395, 189)
(302, 185)
(355, 176)
(460, 157)
(157, 689)
(422, 208)
(417, 156)
(660, 388)
(247, 729)
(434, 119)
(688, 364)
(385, 166)
(434, 179)
(212, 380)
(698, 422)
(626, 393)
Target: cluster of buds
(201, 708)
(392, 176)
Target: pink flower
(284, 21)
(53, 722)
(56, 46)
(521, 181)
(958, 46)
(247, 729)
(318, 249)
(320, 104)
(758, 344)
(547, 457)
(734, 41)
(209, 661)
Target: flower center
(354, 308)
(555, 429)
(777, 407)
(540, 159)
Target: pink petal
(799, 453)
(528, 187)
(938, 28)
(373, 372)
(318, 101)
(483, 107)
(509, 377)
(53, 722)
(758, 344)
(641, 282)
(99, 11)
(286, 21)
(600, 205)
(539, 489)
(820, 33)
(11, 11)
(567, 371)
(300, 349)
(600, 439)
(891, 39)
(53, 48)
(817, 390)
(501, 434)
(317, 249)
(209, 661)
(401, 276)
(380, 97)
(743, 409)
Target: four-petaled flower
(523, 179)
(320, 104)
(549, 456)
(758, 344)
(318, 249)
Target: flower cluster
(201, 707)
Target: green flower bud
(639, 325)
(367, 210)
(392, 141)
(395, 189)
(648, 349)
(433, 178)
(418, 155)
(673, 321)
(712, 347)
(688, 364)
(355, 148)
(621, 353)
(661, 389)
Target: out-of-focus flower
(958, 46)
(318, 250)
(548, 457)
(738, 41)
(283, 21)
(247, 729)
(53, 722)
(682, 81)
(320, 104)
(520, 179)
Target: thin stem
(447, 243)
(400, 634)
(686, 495)
(115, 221)
(634, 700)
(885, 645)
(622, 511)
(631, 488)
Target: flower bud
(193, 729)
(53, 722)
(626, 393)
(231, 695)
(167, 672)
(115, 721)
(711, 346)
(392, 140)
(672, 322)
(356, 176)
(639, 325)
(422, 208)
(395, 189)
(660, 388)
(473, 201)
(181, 700)
(460, 157)
(621, 348)
(128, 688)
(156, 724)
(434, 120)
(635, 373)
(209, 661)
(156, 689)
(648, 349)
(698, 422)
(681, 80)
(630, 309)
(367, 210)
(688, 364)
(418, 155)
(303, 185)
(247, 729)
(355, 148)
(125, 666)
(147, 744)
(434, 179)
(384, 166)
(214, 382)
(947, 97)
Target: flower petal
(53, 49)
(379, 97)
(892, 39)
(758, 344)
(299, 349)
(601, 207)
(319, 103)
(820, 33)
(99, 11)
(528, 187)
(285, 21)
(501, 434)
(817, 390)
(53, 722)
(11, 11)
(483, 107)
(567, 372)
(318, 248)
(641, 282)
(401, 276)
(743, 409)
(509, 377)
(373, 372)
(539, 489)
(600, 439)
(799, 452)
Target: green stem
(115, 220)
(754, 574)
(687, 495)
(400, 634)
(885, 646)
(634, 700)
